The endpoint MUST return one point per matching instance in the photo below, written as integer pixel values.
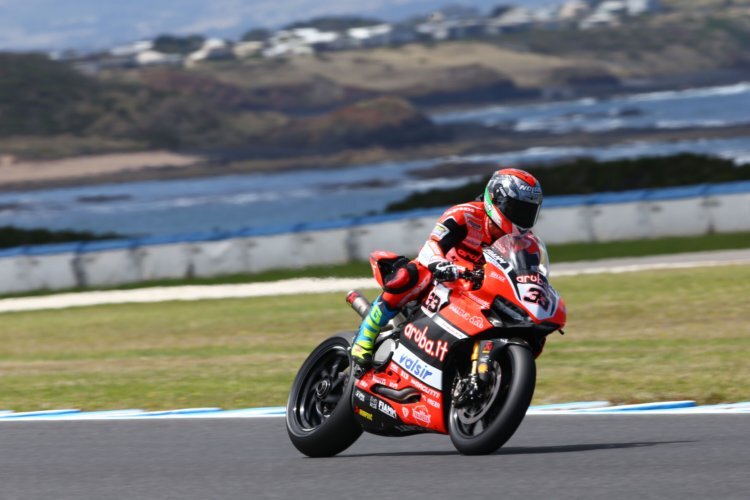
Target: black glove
(446, 271)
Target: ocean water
(669, 110)
(271, 200)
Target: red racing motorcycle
(459, 362)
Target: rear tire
(319, 417)
(485, 426)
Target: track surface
(555, 457)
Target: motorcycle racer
(510, 204)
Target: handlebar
(476, 277)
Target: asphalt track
(550, 457)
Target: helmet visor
(521, 213)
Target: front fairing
(517, 280)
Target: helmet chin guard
(494, 214)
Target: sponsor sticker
(427, 390)
(530, 189)
(420, 369)
(487, 347)
(439, 231)
(474, 257)
(405, 411)
(421, 415)
(359, 395)
(386, 409)
(497, 276)
(362, 413)
(532, 278)
(449, 328)
(467, 316)
(434, 348)
(494, 258)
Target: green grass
(679, 334)
(558, 253)
(639, 248)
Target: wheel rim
(473, 420)
(322, 388)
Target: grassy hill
(265, 105)
(184, 109)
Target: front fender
(502, 344)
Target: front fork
(469, 389)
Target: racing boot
(379, 316)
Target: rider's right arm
(449, 231)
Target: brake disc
(475, 412)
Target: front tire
(486, 425)
(319, 418)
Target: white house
(437, 29)
(155, 58)
(515, 19)
(132, 49)
(212, 49)
(370, 36)
(640, 7)
(287, 43)
(573, 10)
(243, 50)
(613, 7)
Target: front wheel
(488, 422)
(319, 418)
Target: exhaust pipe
(359, 302)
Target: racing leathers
(460, 233)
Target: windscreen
(526, 253)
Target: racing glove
(446, 271)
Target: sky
(51, 25)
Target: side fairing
(417, 363)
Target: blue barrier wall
(648, 213)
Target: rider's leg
(379, 316)
(405, 285)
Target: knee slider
(402, 278)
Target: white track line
(565, 409)
(323, 285)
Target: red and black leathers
(460, 233)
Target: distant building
(300, 41)
(132, 49)
(212, 49)
(640, 7)
(573, 10)
(435, 28)
(243, 50)
(402, 33)
(607, 14)
(452, 23)
(370, 36)
(613, 7)
(547, 17)
(155, 58)
(612, 12)
(512, 20)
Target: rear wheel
(485, 424)
(319, 418)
